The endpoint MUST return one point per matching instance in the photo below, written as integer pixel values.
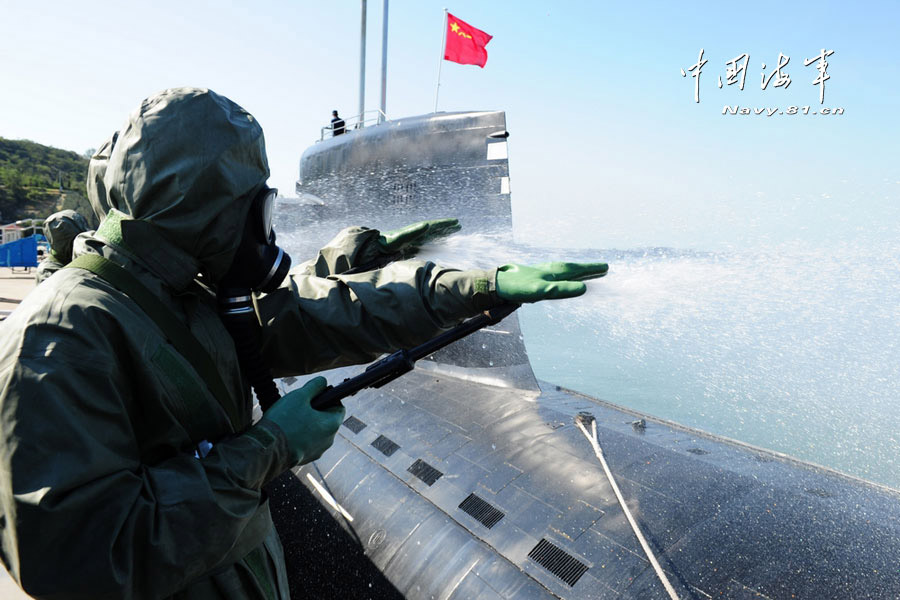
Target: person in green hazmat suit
(132, 467)
(60, 229)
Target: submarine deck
(510, 502)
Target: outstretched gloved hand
(407, 240)
(310, 432)
(548, 281)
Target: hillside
(37, 180)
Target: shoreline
(15, 284)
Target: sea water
(794, 349)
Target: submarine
(470, 478)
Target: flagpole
(384, 32)
(362, 66)
(441, 60)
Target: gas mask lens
(266, 199)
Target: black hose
(237, 313)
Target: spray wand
(391, 367)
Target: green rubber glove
(548, 281)
(409, 238)
(310, 432)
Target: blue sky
(605, 133)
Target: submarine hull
(454, 489)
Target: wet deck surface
(726, 520)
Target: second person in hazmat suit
(60, 229)
(131, 465)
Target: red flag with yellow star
(465, 44)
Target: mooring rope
(592, 438)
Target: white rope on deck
(592, 438)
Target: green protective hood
(188, 162)
(60, 230)
(96, 189)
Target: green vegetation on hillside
(37, 180)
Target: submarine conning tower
(455, 163)
(401, 171)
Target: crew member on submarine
(132, 467)
(337, 124)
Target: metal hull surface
(726, 520)
(406, 170)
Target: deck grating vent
(425, 472)
(558, 561)
(483, 512)
(385, 445)
(698, 451)
(354, 424)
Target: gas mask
(259, 266)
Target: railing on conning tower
(351, 124)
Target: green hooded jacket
(101, 493)
(60, 229)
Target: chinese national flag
(465, 44)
